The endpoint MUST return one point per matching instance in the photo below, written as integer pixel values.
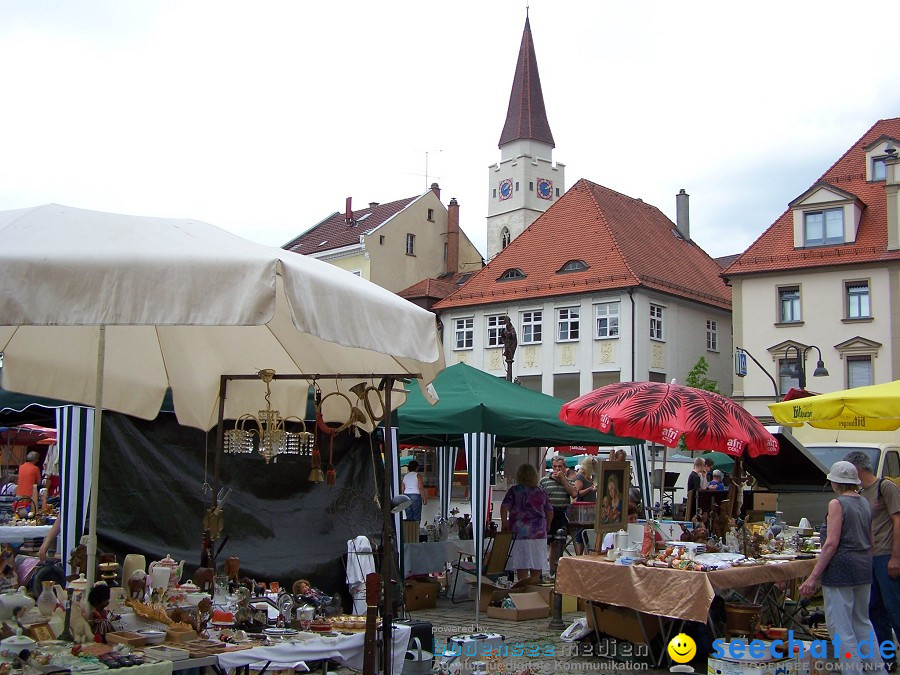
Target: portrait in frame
(41, 632)
(612, 498)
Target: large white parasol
(109, 310)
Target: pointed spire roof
(526, 117)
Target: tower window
(505, 238)
(495, 193)
(517, 186)
(557, 192)
(531, 186)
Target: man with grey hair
(884, 498)
(561, 491)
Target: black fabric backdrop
(281, 526)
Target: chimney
(683, 214)
(452, 236)
(348, 210)
(436, 189)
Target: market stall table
(16, 534)
(433, 556)
(345, 649)
(665, 593)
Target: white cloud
(263, 117)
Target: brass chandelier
(266, 431)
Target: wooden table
(669, 597)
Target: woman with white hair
(845, 567)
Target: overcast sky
(262, 117)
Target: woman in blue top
(845, 568)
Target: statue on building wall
(510, 342)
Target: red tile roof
(625, 242)
(334, 232)
(526, 116)
(774, 250)
(430, 288)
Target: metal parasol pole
(95, 459)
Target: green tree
(697, 379)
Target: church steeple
(525, 182)
(526, 117)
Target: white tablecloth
(345, 649)
(11, 534)
(433, 556)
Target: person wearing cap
(884, 500)
(845, 566)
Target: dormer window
(825, 215)
(511, 273)
(822, 228)
(573, 266)
(878, 152)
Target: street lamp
(788, 369)
(768, 374)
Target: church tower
(525, 182)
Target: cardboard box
(569, 604)
(622, 623)
(765, 501)
(410, 529)
(180, 634)
(421, 595)
(528, 605)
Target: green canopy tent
(478, 411)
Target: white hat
(844, 472)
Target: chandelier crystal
(265, 432)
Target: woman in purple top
(527, 512)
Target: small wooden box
(126, 637)
(179, 634)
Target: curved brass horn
(362, 390)
(320, 421)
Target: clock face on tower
(505, 189)
(544, 188)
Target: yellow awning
(872, 408)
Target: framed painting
(41, 632)
(612, 499)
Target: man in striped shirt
(561, 491)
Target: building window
(712, 335)
(504, 238)
(431, 215)
(879, 170)
(495, 193)
(531, 186)
(511, 273)
(656, 322)
(789, 304)
(607, 314)
(410, 244)
(557, 192)
(465, 333)
(859, 371)
(532, 323)
(573, 266)
(821, 228)
(381, 239)
(494, 324)
(567, 324)
(446, 251)
(858, 300)
(786, 382)
(517, 186)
